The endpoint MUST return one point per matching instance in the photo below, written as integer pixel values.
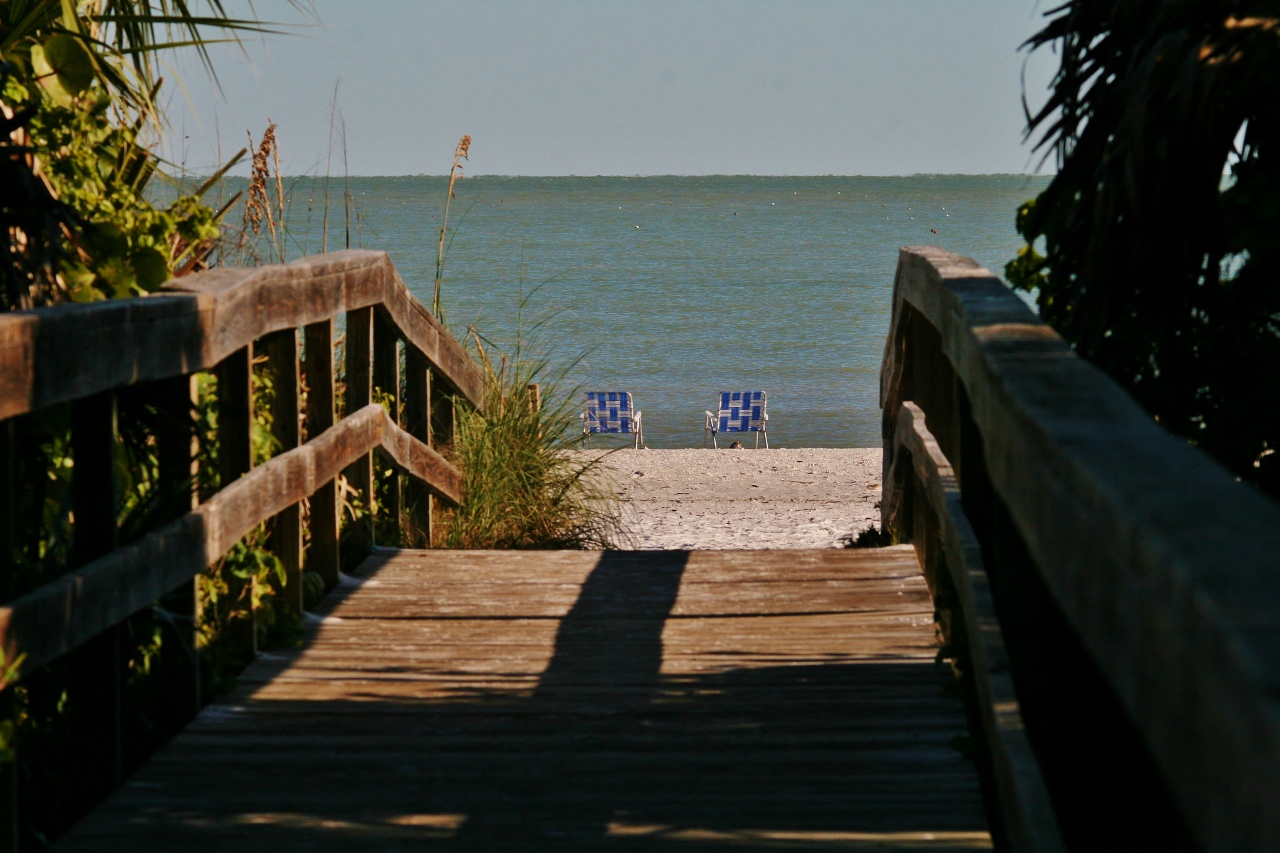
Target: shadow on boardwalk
(612, 748)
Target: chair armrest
(765, 416)
(711, 421)
(635, 418)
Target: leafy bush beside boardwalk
(1156, 268)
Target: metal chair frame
(724, 420)
(628, 418)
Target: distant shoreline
(487, 177)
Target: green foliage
(523, 486)
(871, 537)
(78, 85)
(244, 581)
(63, 67)
(77, 91)
(1155, 268)
(126, 245)
(67, 44)
(42, 470)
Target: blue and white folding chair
(740, 411)
(611, 413)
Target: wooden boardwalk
(512, 701)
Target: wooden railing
(921, 504)
(1136, 583)
(220, 321)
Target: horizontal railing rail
(267, 336)
(921, 502)
(55, 355)
(1162, 566)
(55, 618)
(212, 321)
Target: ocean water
(676, 288)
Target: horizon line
(445, 175)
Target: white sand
(726, 499)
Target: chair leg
(758, 439)
(766, 441)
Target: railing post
(442, 415)
(386, 379)
(281, 350)
(417, 422)
(177, 449)
(235, 458)
(95, 669)
(8, 508)
(322, 556)
(8, 547)
(359, 380)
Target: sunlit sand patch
(450, 822)
(396, 826)
(745, 499)
(845, 840)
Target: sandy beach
(748, 499)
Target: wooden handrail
(58, 616)
(1166, 568)
(68, 352)
(923, 474)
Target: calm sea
(678, 288)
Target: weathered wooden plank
(1165, 566)
(9, 486)
(235, 459)
(96, 670)
(442, 414)
(386, 382)
(177, 449)
(9, 796)
(358, 376)
(322, 557)
(281, 350)
(60, 615)
(1022, 799)
(614, 723)
(417, 422)
(59, 354)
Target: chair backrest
(609, 411)
(742, 411)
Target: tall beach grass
(525, 485)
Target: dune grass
(524, 486)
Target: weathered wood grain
(62, 614)
(9, 501)
(417, 422)
(1022, 799)
(96, 671)
(235, 459)
(656, 700)
(1167, 568)
(386, 382)
(322, 557)
(281, 350)
(358, 376)
(177, 449)
(59, 354)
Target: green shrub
(1155, 268)
(523, 484)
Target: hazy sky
(860, 87)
